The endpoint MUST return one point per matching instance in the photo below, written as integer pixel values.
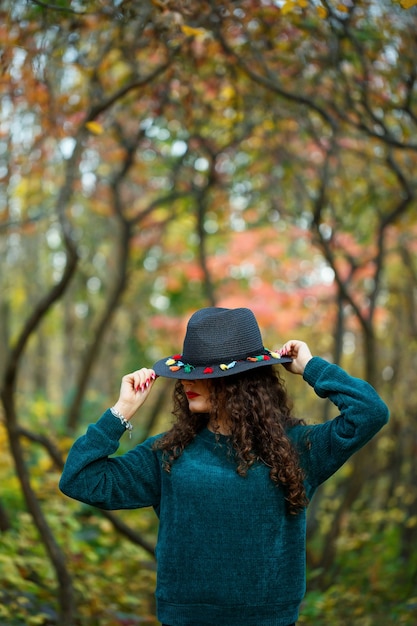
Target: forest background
(156, 157)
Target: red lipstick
(191, 394)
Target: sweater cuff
(111, 425)
(314, 369)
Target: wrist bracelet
(128, 426)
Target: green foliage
(344, 605)
(113, 580)
(26, 579)
(194, 153)
(371, 582)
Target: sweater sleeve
(128, 481)
(326, 447)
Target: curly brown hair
(256, 407)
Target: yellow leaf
(227, 93)
(287, 7)
(268, 125)
(189, 31)
(94, 127)
(412, 522)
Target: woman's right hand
(134, 390)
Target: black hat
(219, 342)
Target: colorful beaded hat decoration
(219, 342)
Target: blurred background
(160, 156)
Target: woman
(231, 480)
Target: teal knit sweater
(228, 554)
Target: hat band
(175, 362)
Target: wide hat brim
(219, 342)
(218, 370)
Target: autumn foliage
(160, 156)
